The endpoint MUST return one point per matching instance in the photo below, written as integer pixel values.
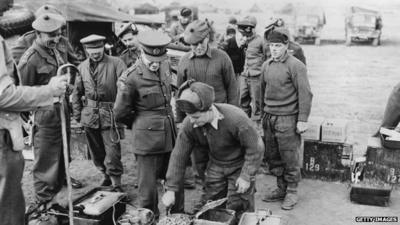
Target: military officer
(128, 35)
(145, 89)
(26, 40)
(37, 66)
(16, 99)
(97, 84)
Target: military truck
(363, 25)
(305, 22)
(308, 26)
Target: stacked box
(382, 164)
(334, 130)
(327, 161)
(314, 129)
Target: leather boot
(291, 197)
(116, 183)
(106, 181)
(279, 193)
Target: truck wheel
(375, 41)
(348, 40)
(17, 20)
(317, 41)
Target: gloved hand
(58, 85)
(168, 199)
(242, 185)
(301, 127)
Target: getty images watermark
(377, 219)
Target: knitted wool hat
(196, 31)
(186, 12)
(195, 97)
(279, 35)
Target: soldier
(145, 89)
(178, 29)
(249, 80)
(229, 43)
(235, 148)
(293, 49)
(15, 99)
(128, 36)
(26, 40)
(208, 65)
(286, 104)
(37, 66)
(97, 85)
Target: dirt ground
(347, 82)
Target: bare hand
(179, 125)
(301, 127)
(168, 199)
(242, 185)
(58, 85)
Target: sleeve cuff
(302, 118)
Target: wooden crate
(381, 163)
(327, 161)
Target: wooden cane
(65, 149)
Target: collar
(281, 59)
(217, 116)
(45, 53)
(147, 74)
(208, 53)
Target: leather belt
(95, 104)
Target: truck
(363, 25)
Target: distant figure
(249, 80)
(235, 52)
(128, 36)
(179, 27)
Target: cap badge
(156, 51)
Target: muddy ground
(348, 82)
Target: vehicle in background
(308, 26)
(363, 25)
(304, 22)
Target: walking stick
(65, 142)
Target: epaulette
(32, 32)
(125, 51)
(129, 70)
(27, 54)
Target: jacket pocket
(149, 134)
(48, 118)
(105, 117)
(153, 97)
(286, 124)
(89, 118)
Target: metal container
(216, 217)
(258, 218)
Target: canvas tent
(85, 17)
